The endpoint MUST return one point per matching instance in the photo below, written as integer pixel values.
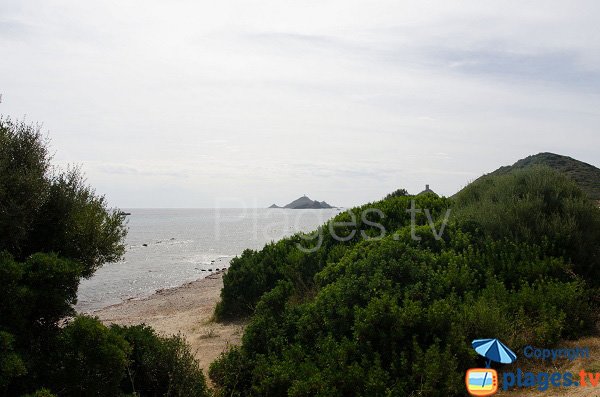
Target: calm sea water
(169, 247)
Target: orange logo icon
(482, 381)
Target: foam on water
(168, 247)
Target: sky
(254, 102)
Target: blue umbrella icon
(494, 350)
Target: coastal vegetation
(585, 175)
(54, 231)
(382, 300)
(394, 315)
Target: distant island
(304, 203)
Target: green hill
(373, 305)
(586, 175)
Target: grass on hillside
(586, 175)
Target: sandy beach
(187, 310)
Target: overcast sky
(232, 103)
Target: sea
(166, 248)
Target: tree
(46, 209)
(35, 295)
(397, 193)
(55, 230)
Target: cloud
(13, 29)
(173, 104)
(562, 68)
(145, 171)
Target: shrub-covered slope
(518, 261)
(586, 175)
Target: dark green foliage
(91, 360)
(232, 371)
(160, 366)
(54, 230)
(41, 393)
(38, 292)
(11, 363)
(395, 316)
(540, 206)
(76, 223)
(45, 210)
(34, 297)
(24, 169)
(397, 193)
(254, 273)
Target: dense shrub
(54, 230)
(160, 366)
(90, 360)
(93, 360)
(11, 364)
(537, 205)
(256, 272)
(35, 295)
(397, 193)
(395, 316)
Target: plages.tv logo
(484, 381)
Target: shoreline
(90, 307)
(186, 310)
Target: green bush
(160, 366)
(34, 297)
(254, 273)
(55, 230)
(90, 360)
(11, 363)
(539, 206)
(395, 316)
